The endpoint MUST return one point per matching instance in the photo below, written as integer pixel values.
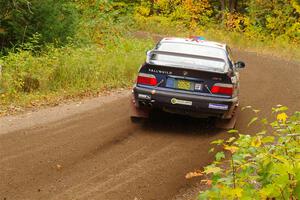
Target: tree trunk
(223, 5)
(151, 7)
(232, 5)
(236, 5)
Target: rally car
(189, 76)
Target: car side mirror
(148, 53)
(240, 65)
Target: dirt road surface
(97, 153)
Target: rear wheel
(226, 124)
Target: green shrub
(265, 165)
(70, 70)
(54, 20)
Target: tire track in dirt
(100, 154)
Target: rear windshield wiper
(159, 83)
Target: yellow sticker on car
(181, 102)
(184, 85)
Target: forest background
(53, 50)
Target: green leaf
(256, 111)
(282, 108)
(281, 180)
(261, 132)
(268, 139)
(297, 190)
(246, 107)
(269, 191)
(230, 139)
(264, 121)
(237, 192)
(233, 131)
(274, 124)
(266, 163)
(217, 142)
(280, 158)
(279, 109)
(220, 155)
(212, 169)
(252, 121)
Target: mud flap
(226, 124)
(136, 112)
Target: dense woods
(63, 48)
(56, 20)
(52, 20)
(263, 18)
(52, 46)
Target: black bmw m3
(189, 76)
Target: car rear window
(191, 49)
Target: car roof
(198, 41)
(195, 41)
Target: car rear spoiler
(186, 55)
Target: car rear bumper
(183, 103)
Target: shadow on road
(180, 125)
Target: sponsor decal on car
(218, 106)
(159, 71)
(144, 96)
(181, 102)
(198, 86)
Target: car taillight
(220, 88)
(146, 79)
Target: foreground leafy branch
(265, 165)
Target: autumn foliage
(52, 46)
(55, 21)
(262, 19)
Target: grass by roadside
(100, 55)
(75, 72)
(47, 77)
(55, 74)
(280, 48)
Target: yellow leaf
(207, 182)
(193, 174)
(252, 120)
(282, 117)
(296, 5)
(238, 192)
(232, 149)
(256, 142)
(213, 170)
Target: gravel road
(91, 150)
